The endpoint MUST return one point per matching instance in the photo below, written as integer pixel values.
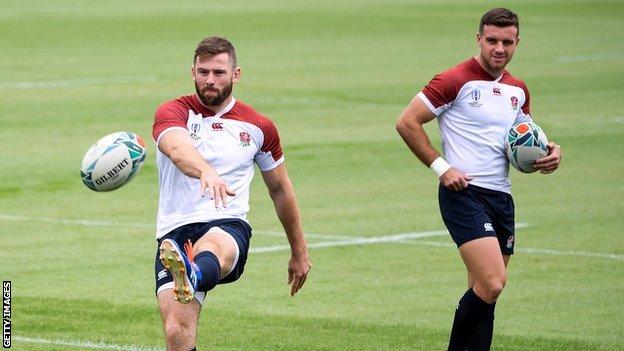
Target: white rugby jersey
(474, 112)
(231, 141)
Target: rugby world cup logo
(194, 124)
(476, 96)
(195, 127)
(245, 138)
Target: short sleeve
(171, 114)
(270, 154)
(440, 92)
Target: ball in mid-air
(525, 143)
(113, 161)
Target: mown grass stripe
(83, 344)
(74, 83)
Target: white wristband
(439, 166)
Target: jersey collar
(486, 75)
(226, 109)
(207, 112)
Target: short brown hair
(212, 46)
(500, 17)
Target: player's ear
(238, 72)
(193, 72)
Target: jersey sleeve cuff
(273, 165)
(166, 131)
(424, 99)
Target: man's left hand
(298, 269)
(549, 163)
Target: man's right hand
(454, 179)
(214, 187)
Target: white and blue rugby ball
(525, 143)
(113, 161)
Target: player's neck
(494, 73)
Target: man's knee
(492, 288)
(495, 289)
(221, 245)
(177, 330)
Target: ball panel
(525, 156)
(112, 169)
(522, 128)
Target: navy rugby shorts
(477, 212)
(238, 229)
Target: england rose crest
(245, 138)
(514, 103)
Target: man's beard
(216, 100)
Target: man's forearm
(417, 140)
(288, 213)
(177, 146)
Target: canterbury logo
(217, 126)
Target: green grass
(334, 76)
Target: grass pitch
(334, 76)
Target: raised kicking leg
(195, 270)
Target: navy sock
(482, 338)
(468, 315)
(208, 264)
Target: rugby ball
(525, 143)
(112, 161)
